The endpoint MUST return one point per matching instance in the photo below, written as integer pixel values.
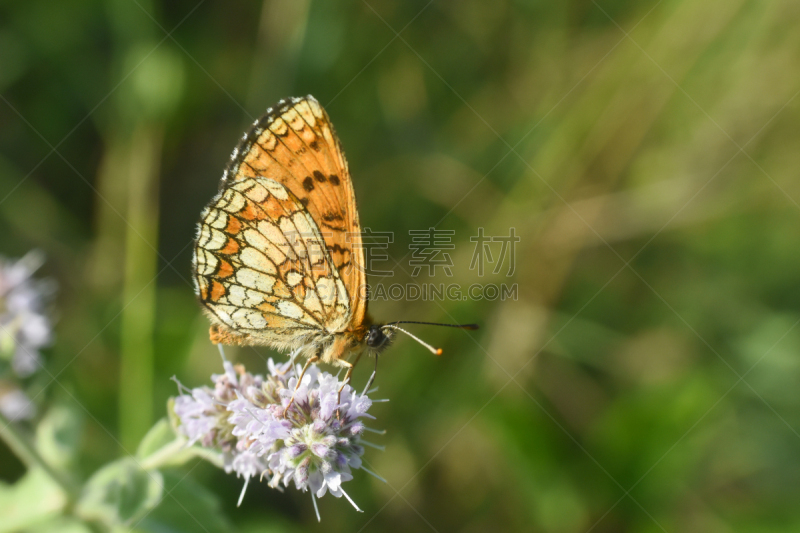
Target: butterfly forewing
(262, 266)
(295, 145)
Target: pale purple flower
(315, 446)
(15, 405)
(324, 442)
(25, 327)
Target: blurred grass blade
(139, 293)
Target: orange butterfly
(278, 260)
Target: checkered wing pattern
(263, 269)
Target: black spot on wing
(337, 248)
(331, 217)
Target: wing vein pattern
(279, 259)
(262, 265)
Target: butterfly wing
(263, 270)
(296, 145)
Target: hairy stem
(26, 452)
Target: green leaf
(174, 420)
(162, 448)
(58, 436)
(62, 524)
(189, 507)
(33, 499)
(120, 493)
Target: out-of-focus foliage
(645, 152)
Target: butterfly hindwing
(262, 266)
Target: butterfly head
(379, 336)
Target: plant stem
(163, 455)
(166, 456)
(23, 449)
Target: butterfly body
(278, 258)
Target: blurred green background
(645, 152)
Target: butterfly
(278, 259)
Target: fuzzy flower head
(25, 328)
(304, 434)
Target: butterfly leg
(311, 361)
(372, 377)
(346, 380)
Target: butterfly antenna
(470, 327)
(434, 351)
